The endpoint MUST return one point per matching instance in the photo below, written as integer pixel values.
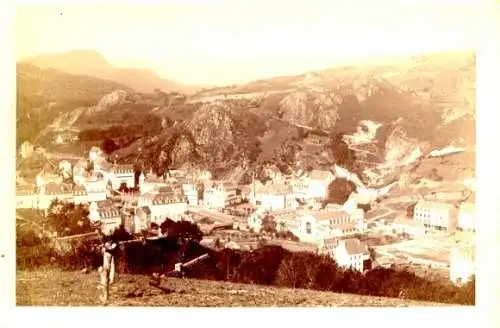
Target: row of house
(42, 197)
(288, 194)
(445, 216)
(331, 229)
(312, 226)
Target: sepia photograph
(246, 154)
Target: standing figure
(108, 269)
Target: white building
(53, 191)
(220, 195)
(313, 185)
(318, 225)
(348, 253)
(80, 195)
(142, 219)
(436, 215)
(120, 174)
(26, 197)
(151, 182)
(318, 182)
(97, 206)
(110, 219)
(462, 263)
(95, 153)
(190, 190)
(467, 217)
(44, 178)
(80, 173)
(163, 206)
(275, 196)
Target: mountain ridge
(90, 62)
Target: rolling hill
(44, 94)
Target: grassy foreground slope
(58, 288)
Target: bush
(339, 191)
(68, 219)
(183, 230)
(108, 146)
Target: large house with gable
(318, 225)
(53, 191)
(350, 253)
(436, 215)
(313, 185)
(220, 195)
(163, 205)
(119, 174)
(274, 196)
(151, 182)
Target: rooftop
(163, 198)
(343, 226)
(104, 204)
(25, 190)
(122, 168)
(355, 246)
(275, 189)
(432, 205)
(327, 216)
(58, 189)
(79, 190)
(108, 213)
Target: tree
(373, 254)
(434, 175)
(339, 191)
(108, 146)
(182, 230)
(68, 219)
(410, 210)
(343, 155)
(120, 234)
(268, 224)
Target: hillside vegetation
(44, 94)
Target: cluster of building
(295, 204)
(432, 216)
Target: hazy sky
(236, 41)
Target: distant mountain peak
(91, 62)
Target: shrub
(339, 191)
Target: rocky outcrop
(314, 109)
(399, 146)
(115, 98)
(183, 151)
